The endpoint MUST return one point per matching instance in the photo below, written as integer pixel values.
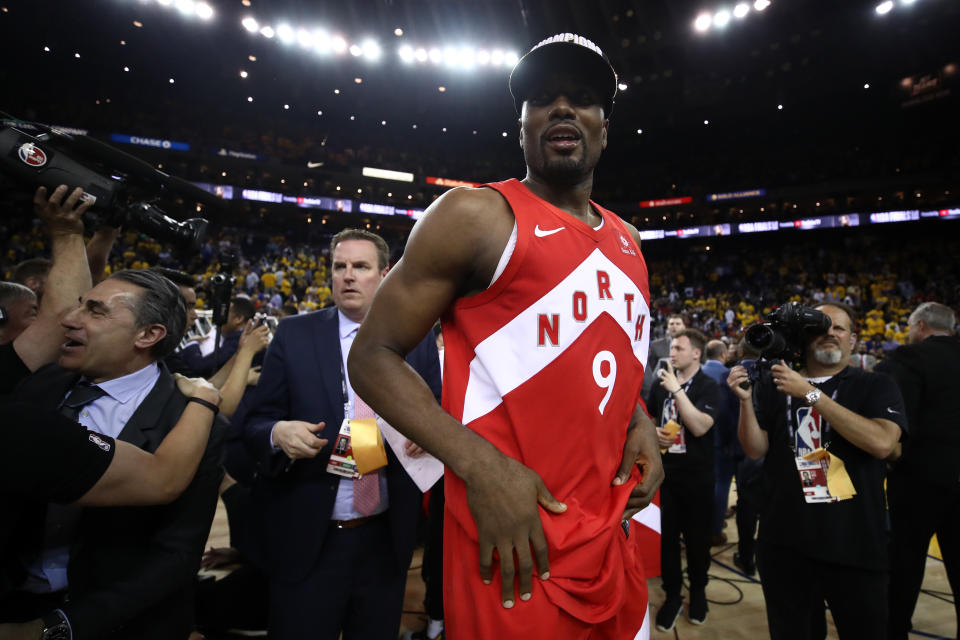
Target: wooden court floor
(736, 601)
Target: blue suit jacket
(292, 503)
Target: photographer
(241, 311)
(820, 543)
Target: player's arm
(641, 449)
(452, 252)
(136, 477)
(753, 439)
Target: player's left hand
(641, 449)
(413, 449)
(789, 381)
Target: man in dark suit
(923, 487)
(241, 311)
(660, 350)
(725, 440)
(336, 558)
(128, 571)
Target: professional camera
(785, 332)
(126, 190)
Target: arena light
(721, 18)
(339, 45)
(356, 51)
(622, 86)
(703, 22)
(286, 34)
(371, 50)
(305, 38)
(406, 53)
(760, 5)
(204, 11)
(496, 58)
(884, 7)
(267, 32)
(436, 56)
(250, 24)
(511, 58)
(421, 55)
(483, 56)
(741, 10)
(186, 7)
(386, 174)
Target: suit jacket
(725, 428)
(927, 373)
(132, 569)
(292, 503)
(658, 349)
(207, 365)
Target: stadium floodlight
(703, 22)
(721, 18)
(321, 41)
(204, 11)
(907, 1)
(510, 58)
(622, 86)
(483, 56)
(436, 56)
(406, 53)
(268, 32)
(165, 3)
(496, 58)
(741, 10)
(884, 7)
(467, 57)
(355, 50)
(339, 44)
(286, 34)
(420, 54)
(185, 7)
(760, 5)
(371, 50)
(450, 56)
(305, 38)
(250, 24)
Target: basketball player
(544, 302)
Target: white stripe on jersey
(649, 517)
(510, 356)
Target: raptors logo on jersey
(547, 365)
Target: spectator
(18, 308)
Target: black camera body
(785, 332)
(124, 188)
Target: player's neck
(573, 199)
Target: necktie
(82, 393)
(366, 488)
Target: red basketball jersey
(547, 365)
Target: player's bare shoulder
(480, 207)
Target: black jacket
(132, 569)
(927, 374)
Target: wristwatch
(812, 396)
(55, 627)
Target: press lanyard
(343, 387)
(673, 400)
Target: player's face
(682, 353)
(355, 277)
(836, 340)
(562, 129)
(102, 336)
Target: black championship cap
(565, 51)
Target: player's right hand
(503, 501)
(737, 375)
(298, 439)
